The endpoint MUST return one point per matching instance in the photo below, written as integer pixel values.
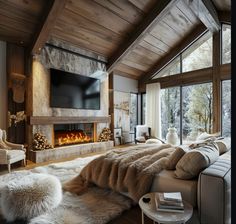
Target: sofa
(209, 193)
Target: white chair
(141, 133)
(10, 152)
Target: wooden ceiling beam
(43, 32)
(199, 30)
(206, 12)
(160, 9)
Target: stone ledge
(69, 151)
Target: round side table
(149, 209)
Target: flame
(73, 138)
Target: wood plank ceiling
(104, 26)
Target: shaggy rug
(95, 206)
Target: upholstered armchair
(10, 152)
(141, 133)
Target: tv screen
(69, 90)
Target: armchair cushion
(11, 154)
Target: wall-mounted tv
(69, 90)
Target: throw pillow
(205, 135)
(224, 145)
(175, 157)
(153, 141)
(194, 161)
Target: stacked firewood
(105, 135)
(40, 142)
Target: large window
(199, 55)
(143, 107)
(188, 109)
(170, 110)
(226, 108)
(133, 110)
(172, 68)
(197, 110)
(226, 43)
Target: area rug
(95, 206)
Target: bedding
(128, 170)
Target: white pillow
(153, 141)
(205, 135)
(141, 129)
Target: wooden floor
(132, 216)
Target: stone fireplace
(69, 134)
(64, 126)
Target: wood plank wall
(15, 64)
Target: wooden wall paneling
(149, 38)
(160, 10)
(165, 33)
(100, 15)
(15, 64)
(124, 74)
(129, 70)
(93, 38)
(135, 65)
(224, 5)
(150, 47)
(181, 5)
(146, 54)
(18, 20)
(54, 8)
(206, 12)
(216, 83)
(179, 47)
(74, 20)
(123, 9)
(144, 5)
(178, 21)
(80, 43)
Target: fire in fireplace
(68, 134)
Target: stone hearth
(69, 151)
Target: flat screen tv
(69, 90)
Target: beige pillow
(175, 157)
(224, 145)
(194, 161)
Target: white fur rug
(96, 206)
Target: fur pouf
(29, 196)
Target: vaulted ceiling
(135, 37)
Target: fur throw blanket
(128, 170)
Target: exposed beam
(199, 30)
(224, 16)
(43, 32)
(160, 9)
(206, 12)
